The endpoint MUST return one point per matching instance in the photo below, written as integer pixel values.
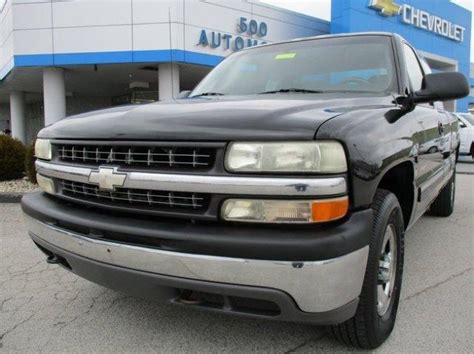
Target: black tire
(444, 202)
(368, 329)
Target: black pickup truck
(280, 188)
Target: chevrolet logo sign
(107, 178)
(386, 7)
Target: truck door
(434, 142)
(434, 153)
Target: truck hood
(288, 117)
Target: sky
(322, 9)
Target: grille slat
(129, 157)
(149, 158)
(133, 197)
(183, 157)
(84, 159)
(138, 153)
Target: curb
(11, 197)
(464, 173)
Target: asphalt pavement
(44, 308)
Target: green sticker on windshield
(285, 56)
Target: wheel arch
(396, 180)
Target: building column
(17, 116)
(54, 93)
(168, 81)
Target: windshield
(352, 64)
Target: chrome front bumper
(270, 186)
(315, 286)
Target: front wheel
(378, 303)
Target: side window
(425, 66)
(413, 68)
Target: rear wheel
(378, 303)
(444, 203)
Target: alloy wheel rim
(387, 270)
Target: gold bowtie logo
(107, 178)
(386, 7)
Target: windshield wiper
(291, 90)
(209, 94)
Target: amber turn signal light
(329, 209)
(285, 211)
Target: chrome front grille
(170, 157)
(130, 198)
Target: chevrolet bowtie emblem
(386, 7)
(107, 178)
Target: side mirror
(442, 87)
(183, 94)
(462, 125)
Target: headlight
(285, 211)
(43, 149)
(312, 157)
(45, 183)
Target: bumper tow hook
(188, 298)
(53, 259)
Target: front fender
(373, 145)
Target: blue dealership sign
(437, 27)
(414, 16)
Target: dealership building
(59, 58)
